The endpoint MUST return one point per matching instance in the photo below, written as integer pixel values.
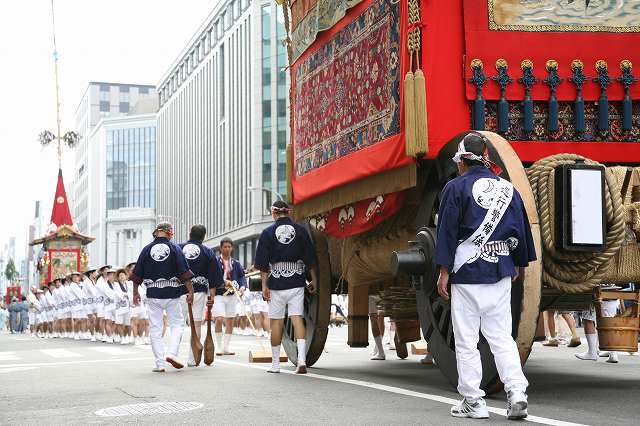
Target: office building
(101, 100)
(223, 125)
(121, 182)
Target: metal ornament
(527, 80)
(627, 79)
(503, 81)
(604, 81)
(553, 80)
(478, 79)
(578, 79)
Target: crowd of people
(97, 305)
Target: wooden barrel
(407, 329)
(618, 333)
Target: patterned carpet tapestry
(347, 93)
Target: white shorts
(224, 306)
(199, 302)
(292, 300)
(100, 310)
(609, 309)
(32, 317)
(110, 315)
(123, 319)
(241, 308)
(258, 304)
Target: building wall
(218, 128)
(121, 182)
(101, 100)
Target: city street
(60, 381)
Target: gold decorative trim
(502, 63)
(556, 28)
(527, 63)
(626, 64)
(552, 64)
(601, 64)
(576, 63)
(476, 63)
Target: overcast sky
(121, 41)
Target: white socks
(592, 352)
(275, 358)
(302, 352)
(227, 339)
(378, 352)
(219, 340)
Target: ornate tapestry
(309, 17)
(566, 130)
(565, 15)
(63, 262)
(347, 93)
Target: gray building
(101, 100)
(223, 125)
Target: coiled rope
(568, 271)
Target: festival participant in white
(225, 306)
(207, 276)
(106, 288)
(123, 309)
(91, 295)
(101, 333)
(50, 309)
(483, 243)
(284, 254)
(78, 307)
(163, 268)
(68, 297)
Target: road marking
(8, 356)
(401, 391)
(14, 369)
(86, 361)
(60, 353)
(149, 408)
(111, 350)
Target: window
(221, 72)
(105, 96)
(210, 36)
(124, 89)
(104, 87)
(124, 94)
(124, 107)
(104, 106)
(143, 90)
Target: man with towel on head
(283, 256)
(483, 243)
(163, 269)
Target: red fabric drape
(60, 214)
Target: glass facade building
(131, 159)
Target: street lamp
(262, 188)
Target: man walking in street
(207, 276)
(225, 305)
(163, 269)
(483, 237)
(283, 256)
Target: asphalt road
(67, 382)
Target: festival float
(63, 245)
(382, 91)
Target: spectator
(14, 311)
(24, 315)
(4, 315)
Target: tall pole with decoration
(63, 244)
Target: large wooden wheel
(435, 312)
(317, 308)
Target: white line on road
(60, 353)
(86, 361)
(401, 391)
(14, 369)
(8, 356)
(111, 350)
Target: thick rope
(566, 271)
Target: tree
(10, 271)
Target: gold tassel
(409, 114)
(422, 137)
(289, 172)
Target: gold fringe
(409, 115)
(422, 139)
